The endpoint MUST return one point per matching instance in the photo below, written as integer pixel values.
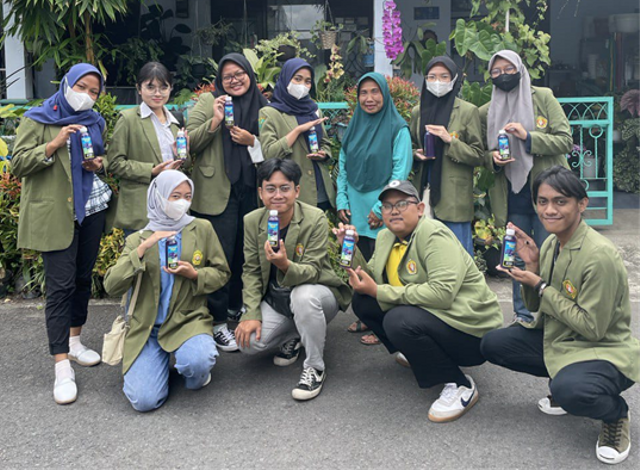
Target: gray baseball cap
(403, 186)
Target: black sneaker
(288, 354)
(225, 339)
(310, 384)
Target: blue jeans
(146, 383)
(462, 231)
(531, 225)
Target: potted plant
(324, 34)
(362, 46)
(283, 47)
(213, 34)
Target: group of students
(413, 281)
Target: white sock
(218, 327)
(75, 346)
(64, 370)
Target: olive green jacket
(133, 152)
(46, 205)
(585, 310)
(188, 314)
(438, 275)
(550, 142)
(274, 127)
(465, 152)
(307, 248)
(210, 180)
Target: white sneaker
(225, 339)
(85, 357)
(550, 407)
(454, 401)
(402, 360)
(207, 382)
(65, 390)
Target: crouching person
(170, 313)
(423, 296)
(581, 337)
(290, 290)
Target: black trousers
(229, 227)
(367, 246)
(434, 349)
(590, 388)
(68, 281)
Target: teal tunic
(361, 203)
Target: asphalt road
(370, 415)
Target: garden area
(77, 33)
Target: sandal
(370, 340)
(358, 327)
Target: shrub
(404, 93)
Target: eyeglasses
(443, 78)
(387, 207)
(238, 77)
(284, 189)
(163, 90)
(509, 70)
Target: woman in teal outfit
(376, 149)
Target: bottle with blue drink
(273, 230)
(172, 253)
(229, 120)
(181, 145)
(503, 145)
(348, 249)
(508, 258)
(87, 144)
(313, 140)
(429, 144)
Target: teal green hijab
(368, 141)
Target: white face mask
(297, 90)
(175, 210)
(439, 88)
(78, 101)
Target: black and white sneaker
(288, 353)
(225, 339)
(548, 406)
(310, 384)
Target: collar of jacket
(576, 240)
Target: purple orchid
(391, 30)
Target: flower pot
(368, 60)
(286, 52)
(328, 38)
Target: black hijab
(237, 161)
(436, 111)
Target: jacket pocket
(207, 171)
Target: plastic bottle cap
(502, 131)
(350, 232)
(180, 133)
(510, 231)
(84, 129)
(273, 212)
(313, 128)
(228, 98)
(172, 238)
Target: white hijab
(159, 191)
(512, 106)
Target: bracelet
(540, 287)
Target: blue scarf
(55, 111)
(304, 110)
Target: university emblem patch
(412, 267)
(197, 258)
(541, 123)
(570, 289)
(300, 249)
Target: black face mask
(507, 82)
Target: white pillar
(382, 63)
(15, 61)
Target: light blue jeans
(462, 231)
(146, 383)
(531, 225)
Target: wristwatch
(540, 287)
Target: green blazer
(274, 127)
(133, 152)
(465, 152)
(585, 310)
(188, 313)
(306, 245)
(46, 220)
(550, 142)
(212, 186)
(438, 275)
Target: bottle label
(346, 257)
(181, 147)
(87, 147)
(313, 143)
(273, 232)
(172, 255)
(503, 147)
(509, 254)
(228, 115)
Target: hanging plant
(391, 30)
